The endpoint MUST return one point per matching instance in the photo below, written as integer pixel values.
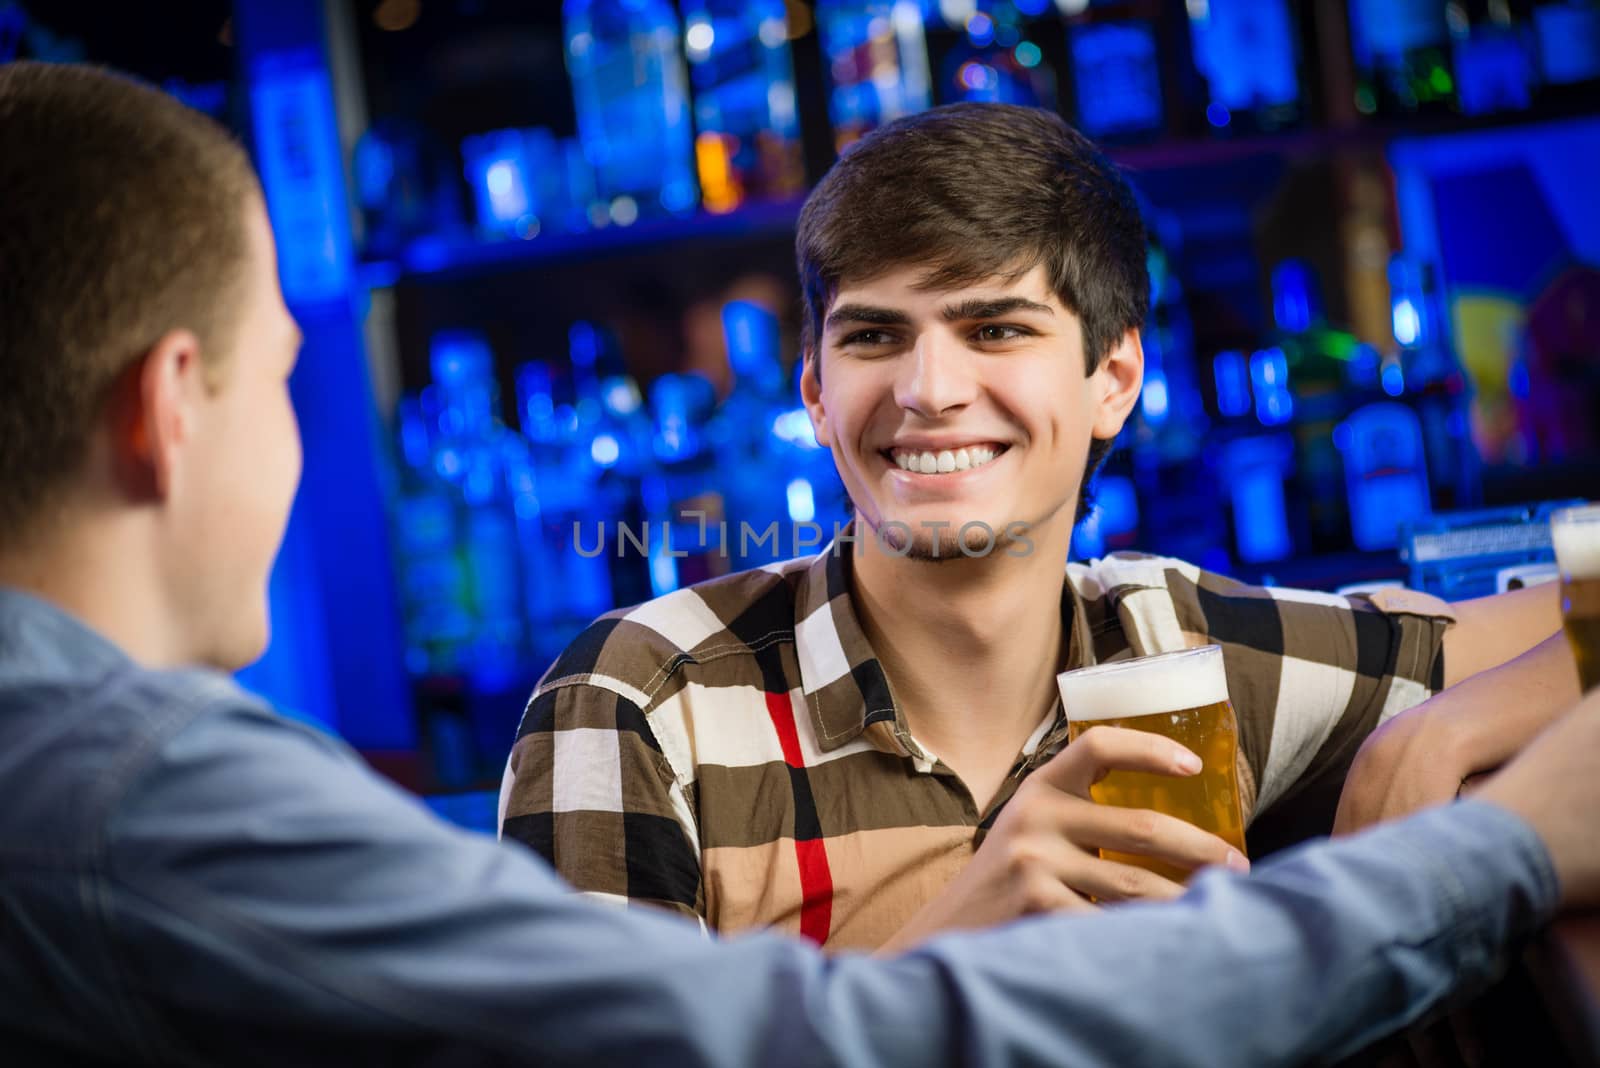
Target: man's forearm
(1491, 631)
(1312, 957)
(1495, 713)
(1423, 755)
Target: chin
(241, 647)
(938, 538)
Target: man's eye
(867, 337)
(998, 332)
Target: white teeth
(945, 461)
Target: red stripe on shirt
(816, 878)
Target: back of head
(122, 217)
(976, 191)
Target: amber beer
(1184, 696)
(1576, 535)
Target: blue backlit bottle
(1401, 50)
(748, 140)
(633, 105)
(683, 502)
(1245, 52)
(876, 57)
(470, 455)
(434, 592)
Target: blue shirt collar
(38, 639)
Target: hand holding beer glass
(1182, 696)
(1576, 534)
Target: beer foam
(1145, 686)
(1577, 541)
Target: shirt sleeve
(266, 900)
(589, 790)
(1310, 675)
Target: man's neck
(970, 646)
(89, 570)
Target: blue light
(1393, 380)
(1154, 400)
(977, 76)
(1407, 323)
(604, 450)
(802, 502)
(1233, 382)
(1117, 504)
(1027, 54)
(621, 396)
(1293, 296)
(794, 427)
(1517, 380)
(663, 568)
(1218, 116)
(583, 342)
(1031, 7)
(1269, 378)
(980, 30)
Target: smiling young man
(842, 746)
(188, 878)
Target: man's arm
(589, 789)
(268, 900)
(1489, 631)
(1421, 756)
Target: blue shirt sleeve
(268, 900)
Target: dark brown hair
(978, 191)
(122, 216)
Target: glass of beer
(1184, 696)
(1576, 534)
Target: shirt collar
(39, 640)
(844, 685)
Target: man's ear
(153, 412)
(811, 394)
(1115, 385)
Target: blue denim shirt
(188, 878)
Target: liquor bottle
(747, 143)
(1246, 53)
(1116, 74)
(876, 55)
(471, 455)
(633, 105)
(683, 504)
(1401, 50)
(1567, 33)
(1493, 50)
(1435, 384)
(564, 545)
(432, 571)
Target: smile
(944, 461)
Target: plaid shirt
(732, 750)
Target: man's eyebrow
(866, 313)
(991, 308)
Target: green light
(1365, 103)
(1028, 54)
(1440, 79)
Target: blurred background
(542, 254)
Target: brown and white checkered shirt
(733, 751)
